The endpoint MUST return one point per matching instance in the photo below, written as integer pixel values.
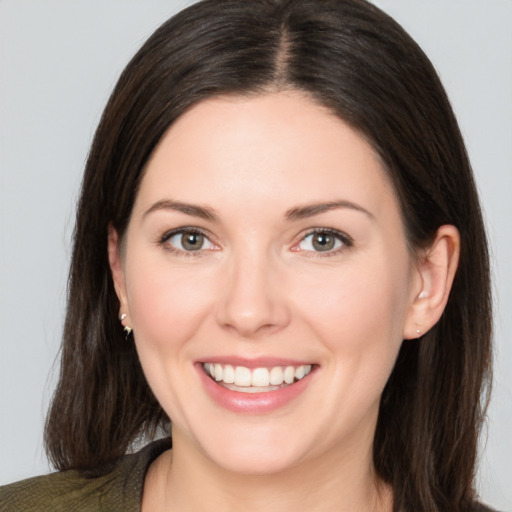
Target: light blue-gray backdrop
(58, 62)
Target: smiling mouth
(255, 380)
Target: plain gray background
(58, 63)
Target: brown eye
(323, 241)
(192, 241)
(189, 241)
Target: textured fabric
(68, 491)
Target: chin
(260, 463)
(262, 451)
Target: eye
(188, 240)
(323, 241)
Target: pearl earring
(127, 329)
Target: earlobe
(437, 266)
(116, 268)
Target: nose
(253, 300)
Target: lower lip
(252, 403)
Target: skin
(259, 287)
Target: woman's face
(266, 246)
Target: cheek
(166, 305)
(358, 312)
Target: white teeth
(250, 389)
(276, 376)
(289, 374)
(299, 372)
(257, 379)
(229, 374)
(242, 376)
(260, 377)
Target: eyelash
(181, 231)
(345, 240)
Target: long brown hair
(354, 59)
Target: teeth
(276, 376)
(229, 374)
(258, 379)
(218, 372)
(289, 374)
(242, 376)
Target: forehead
(279, 147)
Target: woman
(279, 248)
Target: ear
(116, 268)
(436, 268)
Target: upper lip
(257, 362)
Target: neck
(186, 480)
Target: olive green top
(121, 489)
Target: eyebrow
(293, 214)
(202, 212)
(309, 210)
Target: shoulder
(121, 489)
